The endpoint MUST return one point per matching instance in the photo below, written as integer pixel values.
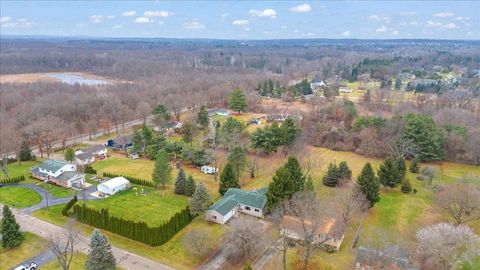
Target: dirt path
(124, 258)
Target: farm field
(32, 245)
(18, 197)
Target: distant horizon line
(227, 39)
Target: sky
(244, 19)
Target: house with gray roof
(236, 200)
(59, 172)
(90, 154)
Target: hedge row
(12, 180)
(69, 205)
(138, 231)
(133, 180)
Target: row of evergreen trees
(337, 174)
(133, 180)
(69, 205)
(138, 231)
(12, 180)
(183, 185)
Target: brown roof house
(329, 233)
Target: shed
(113, 185)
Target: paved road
(47, 230)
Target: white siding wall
(251, 211)
(214, 216)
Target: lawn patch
(32, 246)
(15, 169)
(19, 197)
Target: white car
(32, 266)
(209, 170)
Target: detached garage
(113, 186)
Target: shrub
(406, 186)
(89, 169)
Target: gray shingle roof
(84, 156)
(93, 148)
(65, 176)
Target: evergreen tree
(415, 165)
(332, 176)
(237, 101)
(398, 84)
(25, 152)
(289, 131)
(401, 168)
(280, 188)
(237, 159)
(228, 179)
(188, 132)
(100, 256)
(69, 154)
(388, 173)
(368, 184)
(200, 200)
(162, 171)
(190, 186)
(406, 186)
(295, 173)
(11, 234)
(309, 185)
(202, 117)
(180, 182)
(344, 171)
(428, 138)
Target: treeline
(12, 180)
(138, 231)
(133, 180)
(269, 88)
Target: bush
(13, 180)
(406, 186)
(89, 169)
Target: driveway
(47, 230)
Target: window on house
(247, 208)
(257, 210)
(214, 217)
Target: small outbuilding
(113, 186)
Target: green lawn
(18, 197)
(153, 208)
(14, 169)
(32, 246)
(78, 263)
(57, 191)
(118, 163)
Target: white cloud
(246, 28)
(283, 27)
(460, 18)
(414, 23)
(394, 33)
(161, 13)
(129, 13)
(381, 29)
(224, 15)
(346, 33)
(118, 26)
(193, 25)
(443, 15)
(110, 17)
(407, 13)
(434, 24)
(5, 20)
(96, 18)
(240, 22)
(263, 13)
(143, 20)
(379, 18)
(450, 26)
(301, 8)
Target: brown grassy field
(35, 77)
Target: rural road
(47, 230)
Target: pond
(73, 79)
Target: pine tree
(296, 174)
(309, 184)
(69, 154)
(202, 117)
(406, 186)
(237, 159)
(332, 176)
(180, 182)
(100, 256)
(388, 173)
(200, 200)
(11, 234)
(162, 171)
(368, 184)
(344, 171)
(237, 101)
(190, 186)
(228, 179)
(280, 188)
(401, 168)
(25, 152)
(415, 165)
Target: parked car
(209, 170)
(32, 266)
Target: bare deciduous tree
(402, 148)
(144, 110)
(445, 246)
(381, 250)
(251, 166)
(460, 201)
(244, 238)
(280, 244)
(348, 202)
(63, 244)
(198, 241)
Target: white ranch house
(236, 200)
(113, 186)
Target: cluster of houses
(236, 201)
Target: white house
(113, 185)
(317, 84)
(236, 200)
(90, 154)
(59, 172)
